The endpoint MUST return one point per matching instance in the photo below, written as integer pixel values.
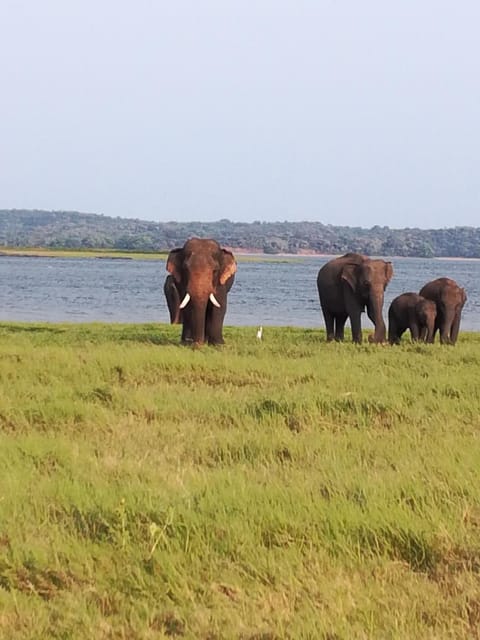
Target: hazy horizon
(335, 112)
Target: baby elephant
(411, 311)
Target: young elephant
(411, 311)
(449, 298)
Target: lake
(280, 292)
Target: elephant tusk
(214, 301)
(185, 301)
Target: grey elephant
(347, 286)
(414, 312)
(202, 274)
(450, 299)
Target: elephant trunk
(197, 310)
(374, 309)
(199, 293)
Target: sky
(350, 112)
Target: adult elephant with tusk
(346, 286)
(202, 274)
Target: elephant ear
(174, 264)
(349, 274)
(229, 266)
(388, 272)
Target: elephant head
(203, 273)
(366, 281)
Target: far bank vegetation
(74, 230)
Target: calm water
(264, 293)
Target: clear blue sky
(355, 112)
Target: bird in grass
(259, 333)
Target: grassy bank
(41, 252)
(283, 489)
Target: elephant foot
(216, 342)
(191, 343)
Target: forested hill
(70, 229)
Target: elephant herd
(352, 283)
(201, 273)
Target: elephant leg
(354, 311)
(355, 322)
(414, 331)
(215, 317)
(431, 330)
(187, 334)
(188, 326)
(446, 327)
(214, 323)
(329, 324)
(444, 337)
(173, 300)
(423, 334)
(455, 327)
(393, 336)
(340, 320)
(396, 329)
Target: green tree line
(75, 230)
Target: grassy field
(283, 489)
(41, 252)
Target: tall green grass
(287, 488)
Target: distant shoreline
(452, 258)
(108, 254)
